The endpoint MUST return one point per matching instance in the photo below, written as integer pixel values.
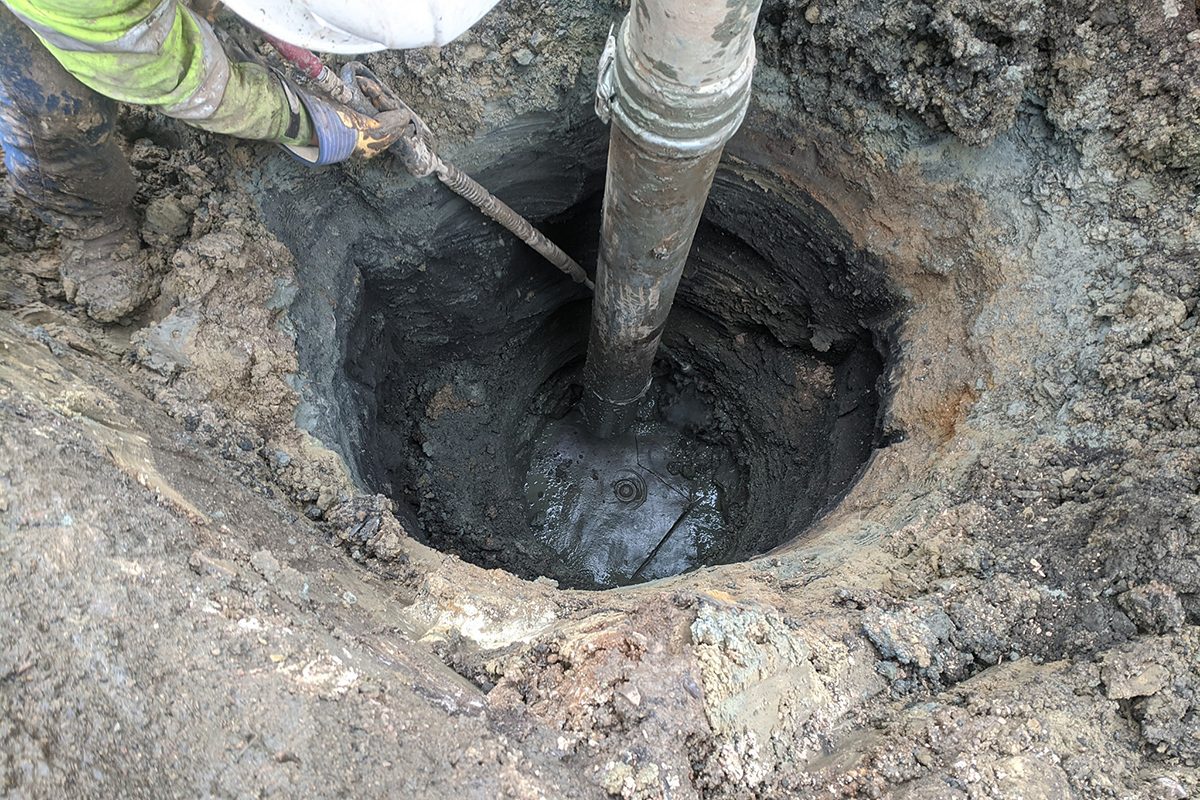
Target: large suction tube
(675, 82)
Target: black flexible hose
(467, 188)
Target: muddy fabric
(159, 53)
(57, 136)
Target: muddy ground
(205, 594)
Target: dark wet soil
(652, 502)
(778, 333)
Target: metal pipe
(675, 82)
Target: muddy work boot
(106, 274)
(61, 155)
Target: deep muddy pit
(460, 346)
(1004, 605)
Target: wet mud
(450, 362)
(652, 502)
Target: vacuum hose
(418, 155)
(469, 189)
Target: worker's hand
(413, 147)
(375, 133)
(342, 132)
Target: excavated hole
(460, 346)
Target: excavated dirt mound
(942, 313)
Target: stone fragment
(1165, 312)
(293, 585)
(1126, 678)
(166, 347)
(166, 217)
(908, 636)
(369, 521)
(1154, 607)
(266, 565)
(1167, 788)
(616, 776)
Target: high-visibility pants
(57, 136)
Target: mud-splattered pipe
(675, 82)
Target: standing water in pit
(646, 503)
(624, 495)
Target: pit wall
(444, 328)
(939, 215)
(926, 240)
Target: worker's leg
(59, 152)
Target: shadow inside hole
(460, 343)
